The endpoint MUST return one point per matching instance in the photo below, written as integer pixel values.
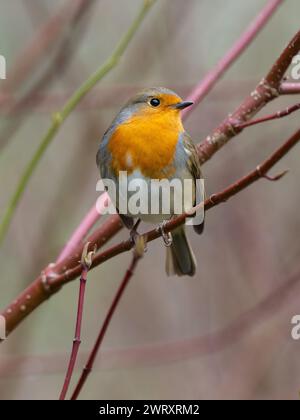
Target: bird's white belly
(154, 201)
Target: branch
(267, 90)
(275, 116)
(49, 283)
(60, 117)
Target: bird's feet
(134, 235)
(167, 236)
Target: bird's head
(154, 102)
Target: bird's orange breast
(147, 144)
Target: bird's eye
(155, 102)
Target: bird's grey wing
(103, 157)
(194, 166)
(103, 160)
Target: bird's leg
(167, 236)
(134, 233)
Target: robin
(147, 141)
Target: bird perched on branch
(147, 141)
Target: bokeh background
(226, 333)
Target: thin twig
(86, 262)
(276, 115)
(137, 254)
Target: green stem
(60, 117)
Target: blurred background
(223, 334)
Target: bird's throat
(147, 144)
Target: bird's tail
(180, 257)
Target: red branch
(86, 263)
(128, 275)
(277, 115)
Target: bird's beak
(183, 105)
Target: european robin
(148, 142)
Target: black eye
(155, 102)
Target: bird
(147, 141)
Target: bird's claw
(167, 236)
